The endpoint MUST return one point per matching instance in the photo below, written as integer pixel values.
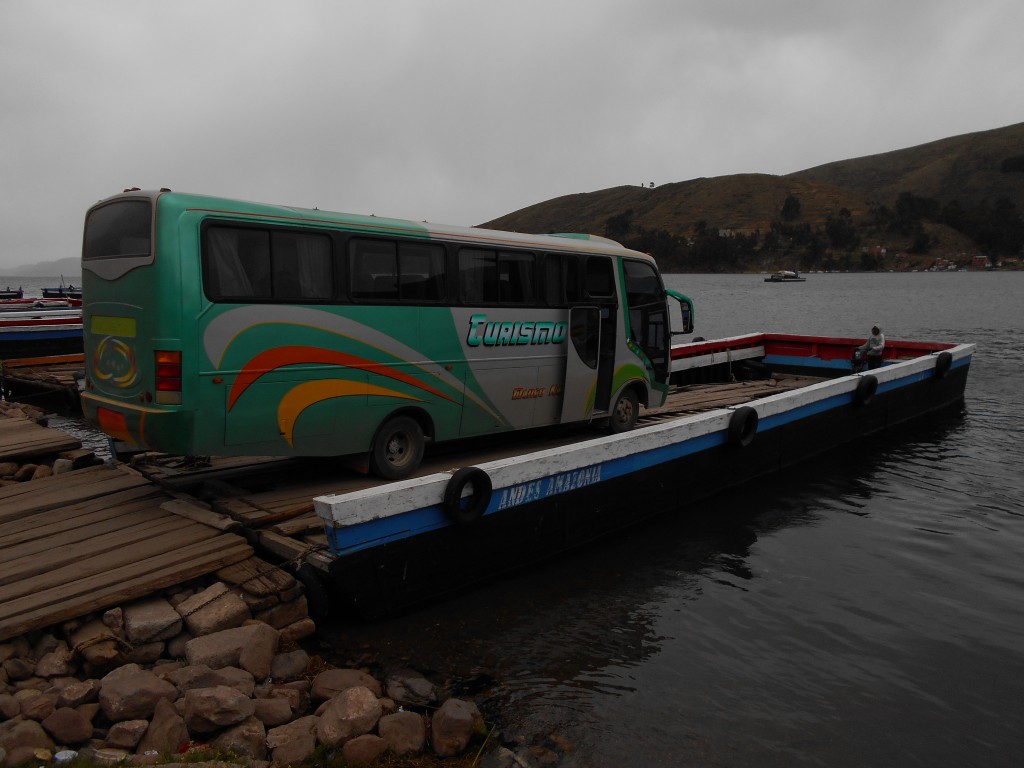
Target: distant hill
(951, 199)
(70, 267)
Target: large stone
(363, 750)
(151, 621)
(209, 709)
(331, 682)
(349, 714)
(134, 696)
(214, 609)
(147, 653)
(297, 631)
(201, 676)
(19, 669)
(297, 698)
(248, 739)
(407, 686)
(127, 734)
(453, 725)
(166, 732)
(283, 614)
(36, 705)
(25, 733)
(289, 666)
(272, 712)
(405, 732)
(78, 693)
(68, 726)
(9, 706)
(294, 742)
(251, 647)
(57, 663)
(99, 645)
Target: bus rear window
(118, 230)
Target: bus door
(582, 363)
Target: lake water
(867, 609)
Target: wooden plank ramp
(22, 439)
(94, 538)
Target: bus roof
(182, 202)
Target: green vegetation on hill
(947, 202)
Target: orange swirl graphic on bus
(113, 362)
(272, 359)
(310, 393)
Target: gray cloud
(459, 111)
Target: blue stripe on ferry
(414, 522)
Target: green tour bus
(220, 327)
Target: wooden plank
(120, 589)
(200, 514)
(120, 529)
(308, 522)
(284, 547)
(257, 577)
(21, 438)
(103, 521)
(101, 560)
(78, 514)
(60, 490)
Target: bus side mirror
(685, 312)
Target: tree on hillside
(842, 235)
(617, 227)
(790, 208)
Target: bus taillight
(168, 377)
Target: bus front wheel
(625, 411)
(397, 449)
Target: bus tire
(625, 411)
(397, 448)
(942, 364)
(866, 388)
(742, 427)
(467, 510)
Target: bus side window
(374, 265)
(599, 277)
(236, 263)
(551, 282)
(302, 266)
(515, 278)
(421, 272)
(478, 276)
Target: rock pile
(212, 666)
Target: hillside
(70, 267)
(950, 200)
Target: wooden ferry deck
(78, 542)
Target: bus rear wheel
(397, 449)
(625, 411)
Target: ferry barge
(741, 408)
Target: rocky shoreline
(214, 669)
(194, 671)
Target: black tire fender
(317, 598)
(943, 364)
(866, 388)
(742, 427)
(467, 510)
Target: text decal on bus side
(508, 334)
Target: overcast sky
(459, 111)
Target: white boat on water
(785, 276)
